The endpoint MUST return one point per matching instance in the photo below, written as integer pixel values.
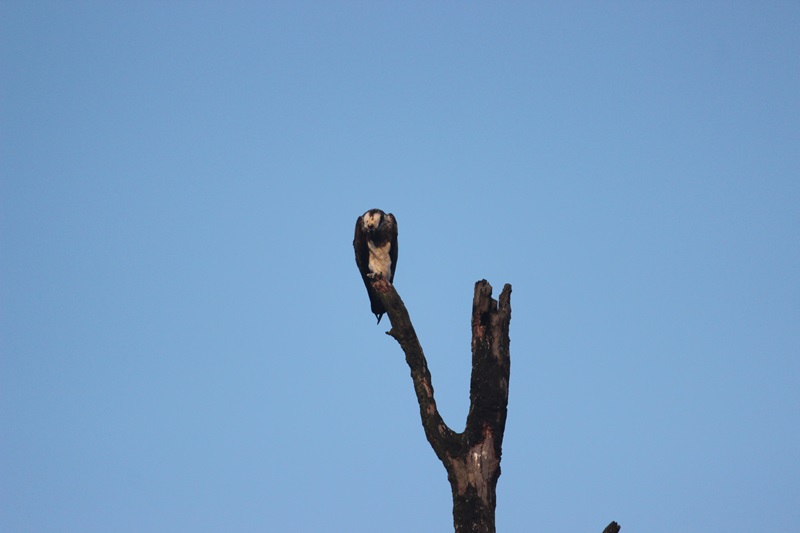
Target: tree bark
(472, 457)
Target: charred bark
(472, 457)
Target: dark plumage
(375, 244)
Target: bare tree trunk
(471, 458)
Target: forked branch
(472, 457)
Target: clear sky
(186, 344)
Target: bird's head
(372, 220)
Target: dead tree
(472, 457)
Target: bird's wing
(393, 247)
(362, 250)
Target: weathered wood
(472, 457)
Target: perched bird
(375, 245)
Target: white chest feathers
(379, 260)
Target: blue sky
(186, 344)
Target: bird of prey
(375, 244)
